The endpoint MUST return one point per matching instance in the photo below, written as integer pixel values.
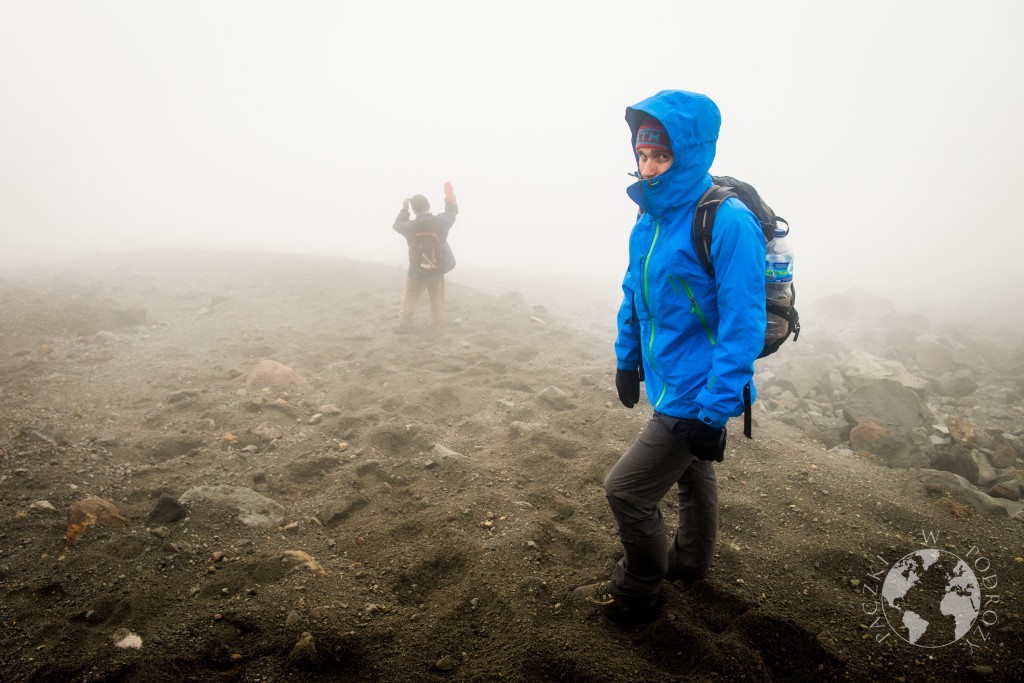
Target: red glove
(449, 193)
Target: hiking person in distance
(691, 338)
(430, 256)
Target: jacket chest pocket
(685, 297)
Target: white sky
(888, 133)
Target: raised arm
(402, 224)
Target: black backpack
(426, 253)
(704, 222)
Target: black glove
(627, 383)
(707, 443)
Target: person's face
(653, 162)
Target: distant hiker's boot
(595, 593)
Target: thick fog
(889, 134)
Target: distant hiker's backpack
(704, 222)
(426, 253)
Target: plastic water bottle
(778, 281)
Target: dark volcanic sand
(434, 523)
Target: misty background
(889, 134)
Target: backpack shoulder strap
(704, 222)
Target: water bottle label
(778, 271)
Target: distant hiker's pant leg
(435, 289)
(693, 549)
(413, 291)
(636, 484)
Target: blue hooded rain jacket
(696, 336)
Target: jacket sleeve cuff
(712, 419)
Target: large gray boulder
(959, 486)
(903, 326)
(956, 384)
(888, 403)
(805, 375)
(932, 356)
(897, 448)
(252, 508)
(864, 368)
(961, 461)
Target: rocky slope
(226, 466)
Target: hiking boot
(617, 609)
(595, 593)
(685, 577)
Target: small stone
(304, 650)
(446, 663)
(126, 640)
(104, 337)
(555, 398)
(1010, 490)
(167, 509)
(316, 419)
(46, 434)
(95, 510)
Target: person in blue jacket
(690, 337)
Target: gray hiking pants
(659, 458)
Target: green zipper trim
(650, 338)
(647, 301)
(694, 307)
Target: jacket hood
(692, 122)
